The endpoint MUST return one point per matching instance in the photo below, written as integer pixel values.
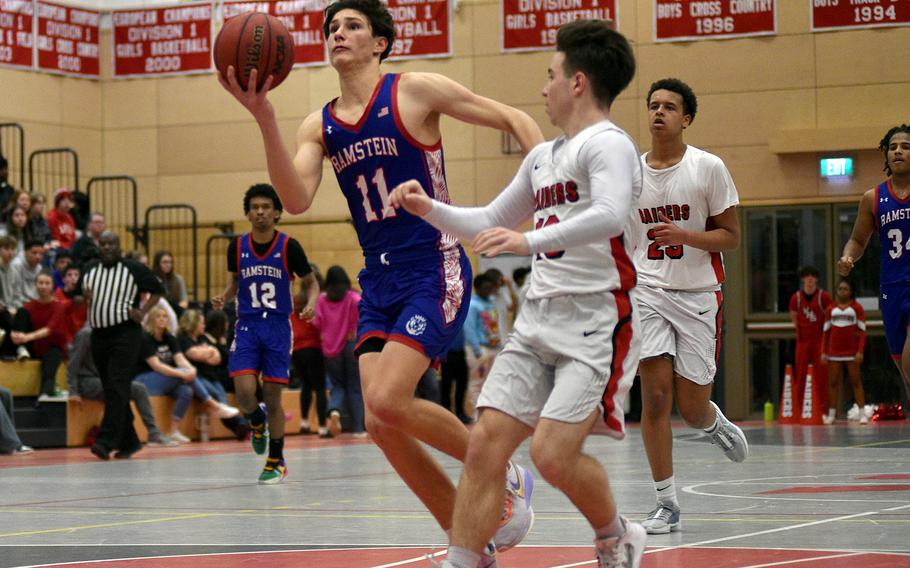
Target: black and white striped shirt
(115, 290)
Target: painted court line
(813, 559)
(756, 533)
(413, 560)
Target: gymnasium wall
(768, 106)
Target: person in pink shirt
(60, 220)
(336, 319)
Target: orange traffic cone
(812, 401)
(787, 412)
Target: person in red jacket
(60, 220)
(843, 346)
(309, 365)
(44, 332)
(807, 310)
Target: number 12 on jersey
(264, 296)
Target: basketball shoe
(622, 551)
(663, 520)
(728, 437)
(517, 516)
(274, 472)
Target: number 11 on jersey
(382, 187)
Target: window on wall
(780, 241)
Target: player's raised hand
(218, 302)
(411, 197)
(668, 233)
(254, 101)
(498, 240)
(845, 265)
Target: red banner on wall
(16, 36)
(303, 18)
(422, 28)
(531, 25)
(689, 20)
(834, 15)
(68, 40)
(175, 40)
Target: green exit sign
(836, 167)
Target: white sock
(462, 557)
(666, 491)
(710, 429)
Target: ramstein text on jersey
(362, 149)
(260, 270)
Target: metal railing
(116, 197)
(12, 147)
(53, 168)
(171, 227)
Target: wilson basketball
(254, 41)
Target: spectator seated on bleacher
(25, 270)
(9, 439)
(164, 370)
(36, 228)
(86, 247)
(40, 329)
(174, 285)
(73, 301)
(209, 363)
(14, 226)
(83, 382)
(62, 260)
(60, 220)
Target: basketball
(254, 41)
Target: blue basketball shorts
(420, 304)
(894, 301)
(262, 346)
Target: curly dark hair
(261, 190)
(690, 101)
(376, 12)
(886, 141)
(601, 53)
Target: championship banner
(302, 18)
(68, 40)
(844, 15)
(422, 29)
(691, 20)
(175, 40)
(16, 36)
(531, 25)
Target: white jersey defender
(696, 188)
(679, 286)
(562, 174)
(575, 345)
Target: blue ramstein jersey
(264, 283)
(373, 156)
(892, 216)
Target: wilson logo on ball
(254, 41)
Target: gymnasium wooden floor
(822, 496)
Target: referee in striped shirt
(112, 286)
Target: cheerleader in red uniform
(843, 345)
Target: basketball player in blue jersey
(886, 209)
(263, 264)
(384, 130)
